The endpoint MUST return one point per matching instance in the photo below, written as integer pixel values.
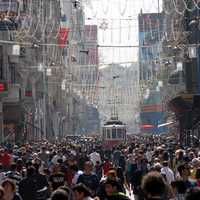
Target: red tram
(113, 133)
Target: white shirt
(76, 176)
(2, 177)
(149, 155)
(56, 158)
(94, 157)
(168, 173)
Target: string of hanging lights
(175, 5)
(123, 11)
(105, 3)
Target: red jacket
(5, 159)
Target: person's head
(156, 160)
(36, 166)
(88, 167)
(191, 155)
(106, 159)
(140, 155)
(2, 152)
(1, 193)
(9, 186)
(81, 191)
(31, 171)
(184, 170)
(43, 149)
(165, 155)
(112, 174)
(165, 164)
(97, 163)
(195, 162)
(154, 185)
(19, 162)
(157, 167)
(67, 190)
(29, 164)
(120, 173)
(111, 186)
(13, 167)
(197, 175)
(178, 187)
(179, 154)
(74, 169)
(59, 153)
(60, 161)
(59, 194)
(193, 194)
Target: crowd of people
(147, 168)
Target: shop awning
(179, 105)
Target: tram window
(124, 133)
(104, 133)
(114, 133)
(119, 133)
(108, 134)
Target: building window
(13, 73)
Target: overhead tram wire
(99, 46)
(175, 5)
(125, 8)
(187, 8)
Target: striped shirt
(14, 176)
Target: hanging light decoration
(63, 85)
(104, 25)
(40, 67)
(49, 72)
(76, 4)
(16, 50)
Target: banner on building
(63, 36)
(9, 8)
(90, 33)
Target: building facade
(152, 113)
(181, 63)
(40, 44)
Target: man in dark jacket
(34, 186)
